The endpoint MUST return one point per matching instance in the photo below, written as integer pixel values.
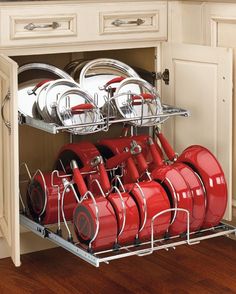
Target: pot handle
(132, 169)
(78, 179)
(81, 108)
(166, 146)
(113, 81)
(117, 159)
(142, 164)
(157, 159)
(104, 180)
(138, 99)
(30, 92)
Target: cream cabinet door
(201, 81)
(9, 191)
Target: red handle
(104, 180)
(78, 179)
(157, 159)
(38, 86)
(117, 159)
(142, 164)
(137, 100)
(81, 108)
(166, 146)
(114, 81)
(132, 170)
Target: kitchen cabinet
(133, 31)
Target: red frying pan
(94, 220)
(204, 163)
(208, 169)
(43, 198)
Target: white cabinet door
(9, 190)
(201, 81)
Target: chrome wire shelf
(142, 249)
(103, 125)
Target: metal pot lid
(53, 93)
(96, 75)
(41, 101)
(34, 73)
(76, 107)
(136, 98)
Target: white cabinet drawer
(38, 25)
(124, 21)
(129, 22)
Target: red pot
(45, 205)
(85, 224)
(94, 220)
(204, 163)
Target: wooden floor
(209, 267)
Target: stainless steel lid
(53, 92)
(75, 107)
(96, 75)
(29, 75)
(136, 98)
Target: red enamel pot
(151, 199)
(99, 230)
(204, 163)
(42, 198)
(94, 219)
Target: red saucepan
(94, 220)
(43, 197)
(205, 165)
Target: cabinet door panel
(201, 81)
(9, 191)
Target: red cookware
(43, 197)
(175, 185)
(210, 173)
(192, 181)
(204, 163)
(124, 206)
(150, 197)
(94, 220)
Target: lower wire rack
(142, 249)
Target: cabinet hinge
(165, 76)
